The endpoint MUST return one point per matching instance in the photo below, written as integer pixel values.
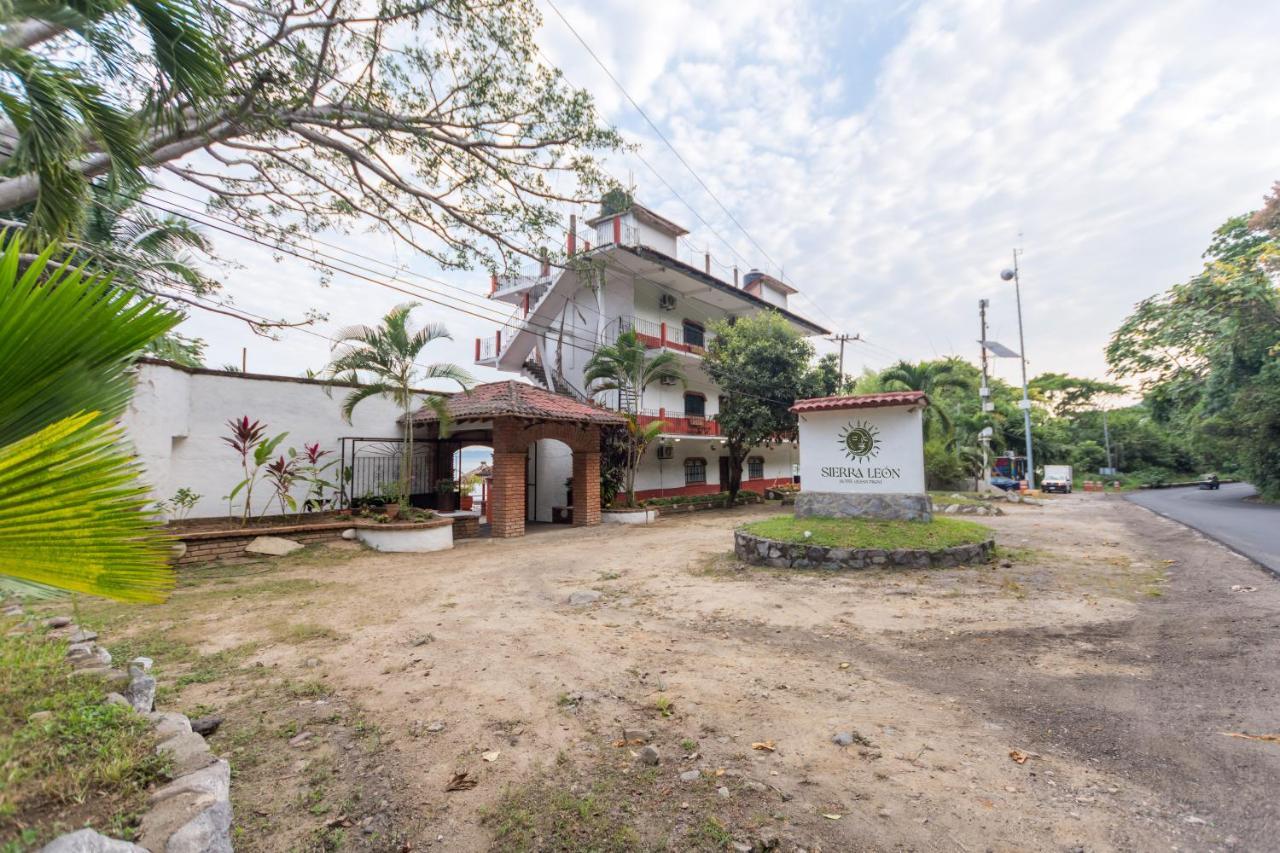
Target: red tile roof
(516, 399)
(862, 401)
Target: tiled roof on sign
(516, 399)
(861, 401)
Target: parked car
(1008, 484)
(1057, 478)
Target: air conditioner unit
(668, 380)
(666, 451)
(667, 301)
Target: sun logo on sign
(861, 440)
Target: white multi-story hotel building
(632, 279)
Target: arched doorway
(473, 470)
(549, 481)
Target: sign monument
(863, 456)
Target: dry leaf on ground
(766, 745)
(461, 782)
(1244, 736)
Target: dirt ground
(1071, 696)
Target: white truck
(1057, 478)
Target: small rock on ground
(586, 596)
(690, 776)
(205, 725)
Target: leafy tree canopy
(761, 366)
(436, 121)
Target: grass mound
(67, 758)
(865, 533)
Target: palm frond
(182, 47)
(451, 372)
(364, 392)
(73, 514)
(65, 340)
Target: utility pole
(1012, 275)
(1106, 438)
(984, 392)
(842, 339)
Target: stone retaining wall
(894, 507)
(189, 814)
(759, 551)
(196, 547)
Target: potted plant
(465, 499)
(446, 495)
(388, 501)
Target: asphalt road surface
(1249, 527)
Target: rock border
(759, 551)
(189, 814)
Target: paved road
(1251, 528)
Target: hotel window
(695, 472)
(695, 405)
(755, 468)
(694, 334)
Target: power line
(660, 134)
(292, 250)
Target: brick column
(506, 492)
(586, 487)
(506, 497)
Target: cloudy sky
(889, 156)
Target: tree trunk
(737, 454)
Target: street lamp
(1012, 275)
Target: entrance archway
(516, 416)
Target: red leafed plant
(248, 438)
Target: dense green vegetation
(864, 533)
(1206, 353)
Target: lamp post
(1012, 275)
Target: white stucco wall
(177, 419)
(655, 473)
(894, 466)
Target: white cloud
(890, 163)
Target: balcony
(673, 336)
(680, 423)
(518, 289)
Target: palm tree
(639, 437)
(154, 254)
(624, 367)
(74, 513)
(58, 107)
(930, 377)
(382, 360)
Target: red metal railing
(678, 423)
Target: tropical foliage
(74, 514)
(295, 106)
(95, 88)
(382, 361)
(761, 365)
(1206, 352)
(624, 367)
